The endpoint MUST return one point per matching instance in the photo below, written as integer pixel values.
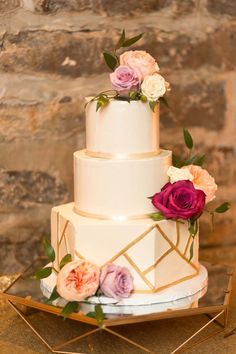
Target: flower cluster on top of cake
(135, 76)
(189, 190)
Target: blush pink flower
(116, 281)
(78, 280)
(124, 79)
(140, 61)
(203, 180)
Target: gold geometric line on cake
(154, 265)
(61, 238)
(132, 243)
(175, 248)
(138, 270)
(142, 274)
(187, 244)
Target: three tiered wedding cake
(131, 235)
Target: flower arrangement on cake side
(189, 190)
(135, 76)
(79, 279)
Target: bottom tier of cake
(188, 291)
(156, 253)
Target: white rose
(153, 87)
(178, 174)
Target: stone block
(200, 103)
(222, 7)
(28, 189)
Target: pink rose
(124, 79)
(179, 200)
(116, 281)
(140, 61)
(78, 280)
(203, 180)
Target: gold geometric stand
(25, 297)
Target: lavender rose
(124, 79)
(179, 200)
(116, 281)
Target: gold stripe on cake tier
(109, 217)
(122, 156)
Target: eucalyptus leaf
(187, 138)
(42, 273)
(191, 251)
(66, 259)
(99, 315)
(157, 216)
(121, 40)
(129, 42)
(222, 208)
(54, 295)
(152, 105)
(69, 308)
(164, 101)
(111, 60)
(49, 251)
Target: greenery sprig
(71, 306)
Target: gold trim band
(108, 217)
(122, 156)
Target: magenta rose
(124, 79)
(116, 281)
(179, 200)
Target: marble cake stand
(24, 296)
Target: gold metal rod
(76, 338)
(201, 340)
(128, 340)
(31, 327)
(215, 321)
(201, 329)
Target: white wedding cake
(131, 235)
(120, 168)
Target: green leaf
(66, 259)
(222, 208)
(176, 161)
(111, 60)
(121, 40)
(187, 139)
(48, 250)
(199, 161)
(99, 315)
(191, 251)
(157, 216)
(54, 295)
(152, 105)
(91, 314)
(42, 273)
(102, 101)
(70, 307)
(164, 101)
(133, 95)
(129, 42)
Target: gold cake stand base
(25, 297)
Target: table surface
(162, 336)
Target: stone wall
(50, 58)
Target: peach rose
(78, 280)
(140, 61)
(203, 180)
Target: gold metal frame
(214, 314)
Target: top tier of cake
(122, 129)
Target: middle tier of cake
(115, 188)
